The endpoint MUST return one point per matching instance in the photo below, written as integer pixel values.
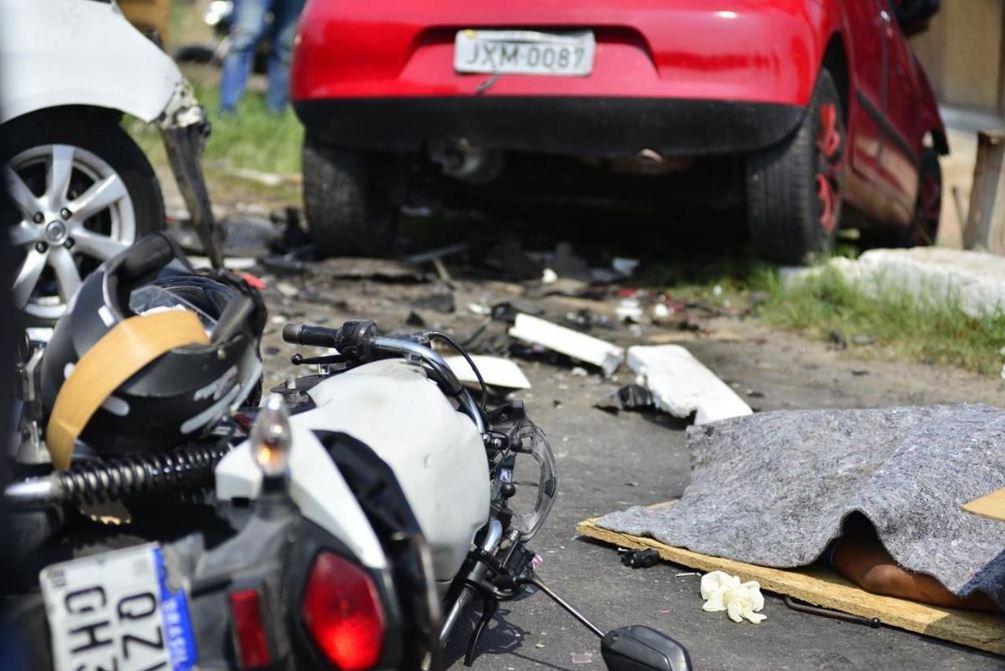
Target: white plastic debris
(661, 312)
(479, 309)
(566, 341)
(549, 276)
(230, 262)
(629, 310)
(681, 385)
(724, 592)
(496, 371)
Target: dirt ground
(607, 463)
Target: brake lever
(299, 359)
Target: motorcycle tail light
(249, 631)
(342, 612)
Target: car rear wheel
(348, 201)
(794, 189)
(83, 191)
(924, 226)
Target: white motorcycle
(369, 504)
(82, 189)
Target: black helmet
(182, 392)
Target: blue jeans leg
(249, 25)
(285, 13)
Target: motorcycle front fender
(316, 486)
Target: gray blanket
(774, 488)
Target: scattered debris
(479, 309)
(838, 340)
(639, 558)
(579, 371)
(548, 276)
(230, 263)
(566, 263)
(581, 657)
(509, 257)
(566, 341)
(350, 268)
(440, 302)
(682, 385)
(287, 289)
(630, 397)
(629, 310)
(496, 371)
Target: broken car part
(577, 345)
(682, 386)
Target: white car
(83, 189)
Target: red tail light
(249, 632)
(342, 611)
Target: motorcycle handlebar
(358, 341)
(315, 336)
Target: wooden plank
(990, 505)
(823, 587)
(985, 227)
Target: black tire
(788, 218)
(99, 133)
(348, 201)
(924, 226)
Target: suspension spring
(182, 470)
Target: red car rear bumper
(579, 126)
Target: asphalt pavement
(610, 462)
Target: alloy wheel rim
(75, 212)
(830, 153)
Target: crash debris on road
(681, 385)
(574, 344)
(495, 371)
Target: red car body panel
(705, 49)
(758, 58)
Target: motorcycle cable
(460, 350)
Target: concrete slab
(976, 280)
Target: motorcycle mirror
(638, 648)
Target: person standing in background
(250, 25)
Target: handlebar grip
(317, 336)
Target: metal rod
(873, 622)
(536, 582)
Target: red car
(802, 111)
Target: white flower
(722, 591)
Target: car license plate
(525, 52)
(115, 611)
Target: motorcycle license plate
(116, 611)
(524, 52)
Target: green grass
(901, 324)
(895, 323)
(253, 139)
